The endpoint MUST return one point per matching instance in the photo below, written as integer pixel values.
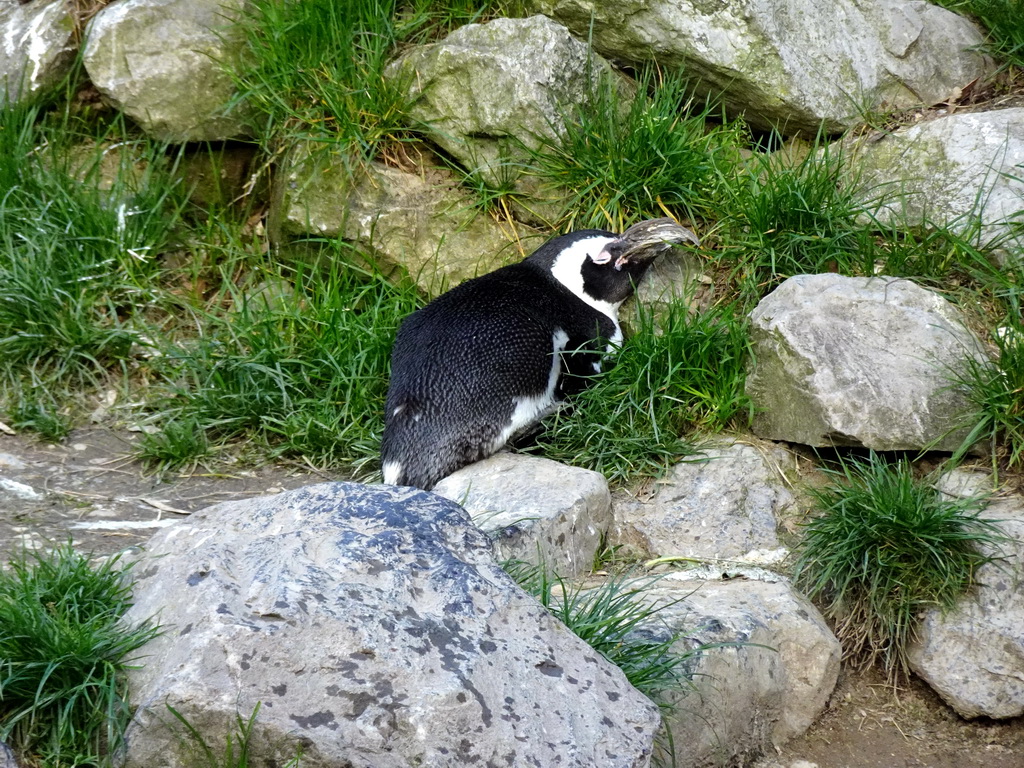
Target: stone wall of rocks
(372, 623)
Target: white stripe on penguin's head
(568, 270)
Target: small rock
(723, 504)
(771, 665)
(19, 490)
(7, 461)
(535, 510)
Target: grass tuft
(79, 236)
(619, 163)
(996, 392)
(673, 375)
(237, 751)
(62, 655)
(884, 548)
(783, 218)
(306, 374)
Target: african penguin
(485, 361)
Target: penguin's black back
(462, 363)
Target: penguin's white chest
(530, 409)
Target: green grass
(305, 374)
(781, 219)
(63, 654)
(996, 392)
(885, 547)
(620, 163)
(179, 445)
(1002, 21)
(78, 245)
(41, 415)
(674, 375)
(316, 69)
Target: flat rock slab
(724, 504)
(377, 631)
(424, 229)
(536, 510)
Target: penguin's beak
(645, 241)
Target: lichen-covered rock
(948, 171)
(163, 63)
(861, 362)
(377, 631)
(37, 47)
(488, 88)
(424, 227)
(973, 656)
(535, 510)
(768, 673)
(790, 64)
(723, 504)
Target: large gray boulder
(377, 631)
(948, 171)
(790, 64)
(37, 47)
(164, 64)
(422, 227)
(859, 362)
(723, 504)
(771, 665)
(486, 88)
(973, 656)
(535, 510)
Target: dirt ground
(89, 489)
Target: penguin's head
(602, 268)
(613, 273)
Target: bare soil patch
(869, 725)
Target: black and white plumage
(485, 361)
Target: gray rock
(377, 631)
(791, 64)
(723, 505)
(487, 87)
(7, 759)
(973, 656)
(37, 47)
(162, 62)
(422, 227)
(947, 171)
(535, 510)
(675, 279)
(766, 684)
(860, 362)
